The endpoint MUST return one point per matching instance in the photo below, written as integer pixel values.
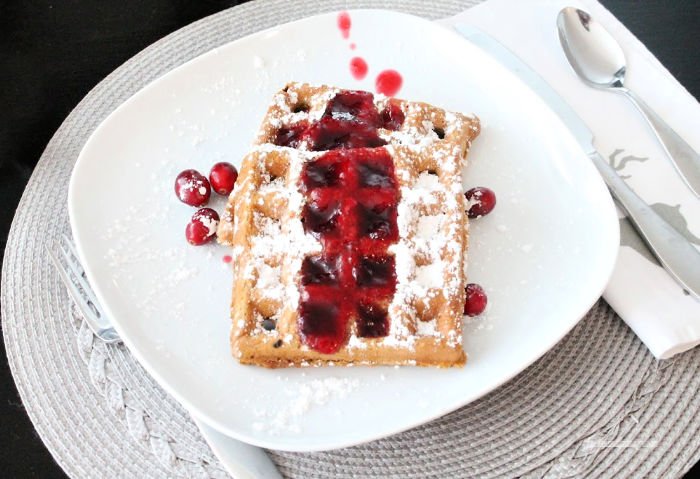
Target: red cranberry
(476, 300)
(202, 226)
(222, 177)
(482, 201)
(192, 188)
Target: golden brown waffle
(264, 224)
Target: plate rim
(201, 416)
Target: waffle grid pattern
(354, 276)
(427, 152)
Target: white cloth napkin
(664, 317)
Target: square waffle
(349, 232)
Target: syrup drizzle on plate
(388, 82)
(344, 24)
(358, 68)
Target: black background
(53, 52)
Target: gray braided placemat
(597, 405)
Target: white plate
(543, 256)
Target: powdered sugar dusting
(427, 328)
(431, 216)
(284, 111)
(276, 186)
(265, 243)
(429, 225)
(269, 281)
(279, 241)
(430, 276)
(427, 237)
(132, 244)
(428, 182)
(210, 223)
(301, 400)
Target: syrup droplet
(358, 68)
(344, 24)
(388, 82)
(353, 46)
(227, 258)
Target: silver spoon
(598, 60)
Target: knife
(674, 252)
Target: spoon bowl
(599, 61)
(593, 53)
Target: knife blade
(675, 253)
(527, 75)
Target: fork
(73, 277)
(241, 460)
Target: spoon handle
(675, 253)
(683, 157)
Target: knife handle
(683, 157)
(675, 253)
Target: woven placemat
(597, 405)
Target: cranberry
(222, 177)
(192, 188)
(482, 201)
(202, 226)
(476, 300)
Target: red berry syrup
(344, 24)
(352, 195)
(388, 82)
(358, 68)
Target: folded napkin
(664, 317)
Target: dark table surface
(53, 52)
